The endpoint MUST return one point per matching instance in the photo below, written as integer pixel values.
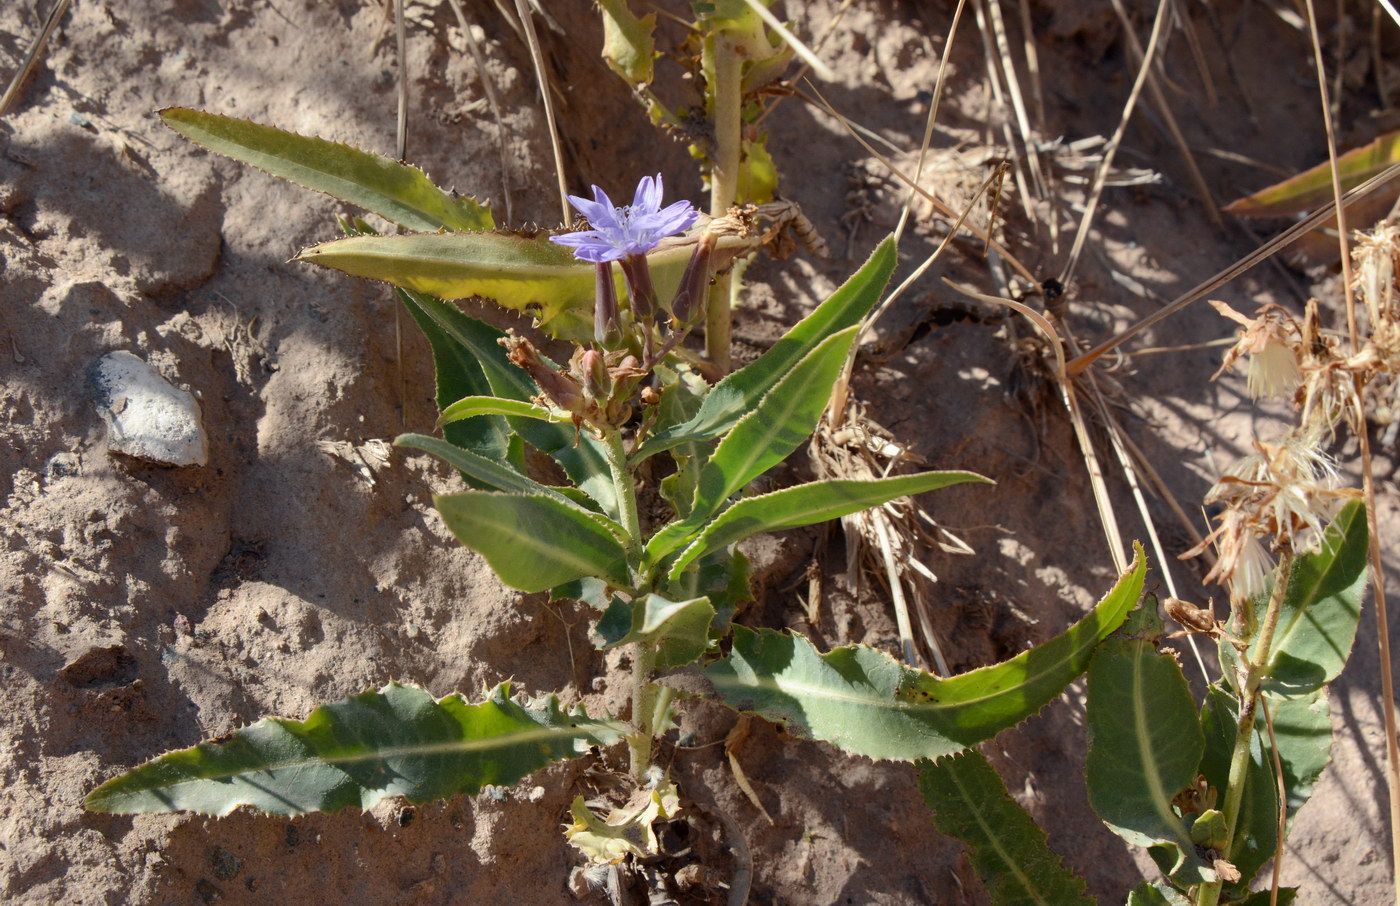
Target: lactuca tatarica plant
(630, 392)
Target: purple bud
(695, 282)
(606, 330)
(639, 287)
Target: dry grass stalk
(889, 541)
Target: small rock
(147, 417)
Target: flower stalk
(1252, 674)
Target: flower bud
(562, 390)
(695, 282)
(606, 329)
(639, 287)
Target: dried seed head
(1273, 342)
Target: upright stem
(626, 490)
(644, 696)
(727, 98)
(646, 715)
(1209, 894)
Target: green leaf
(397, 192)
(459, 375)
(520, 273)
(1149, 894)
(723, 575)
(1144, 747)
(781, 421)
(535, 542)
(867, 703)
(738, 393)
(492, 475)
(579, 455)
(1008, 849)
(1321, 609)
(473, 406)
(628, 47)
(393, 742)
(810, 503)
(1256, 826)
(680, 630)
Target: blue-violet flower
(633, 229)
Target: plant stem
(1209, 894)
(726, 100)
(626, 490)
(644, 708)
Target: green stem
(626, 491)
(727, 101)
(644, 708)
(1209, 894)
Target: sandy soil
(143, 608)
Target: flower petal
(598, 214)
(674, 218)
(647, 199)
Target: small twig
(1282, 803)
(32, 57)
(1084, 360)
(479, 58)
(522, 7)
(401, 38)
(938, 83)
(1111, 148)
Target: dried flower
(633, 229)
(1271, 339)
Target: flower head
(633, 229)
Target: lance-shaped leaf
(1321, 608)
(678, 630)
(1286, 897)
(867, 703)
(521, 273)
(473, 406)
(1008, 849)
(1256, 826)
(738, 393)
(397, 192)
(397, 741)
(809, 503)
(535, 542)
(496, 476)
(781, 421)
(459, 375)
(1144, 747)
(580, 456)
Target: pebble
(146, 416)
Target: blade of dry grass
(805, 53)
(1368, 484)
(31, 57)
(1198, 53)
(1368, 487)
(1084, 360)
(938, 204)
(938, 82)
(1112, 147)
(1108, 520)
(1018, 101)
(522, 8)
(989, 57)
(479, 58)
(1159, 100)
(401, 43)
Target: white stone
(147, 417)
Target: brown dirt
(143, 608)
